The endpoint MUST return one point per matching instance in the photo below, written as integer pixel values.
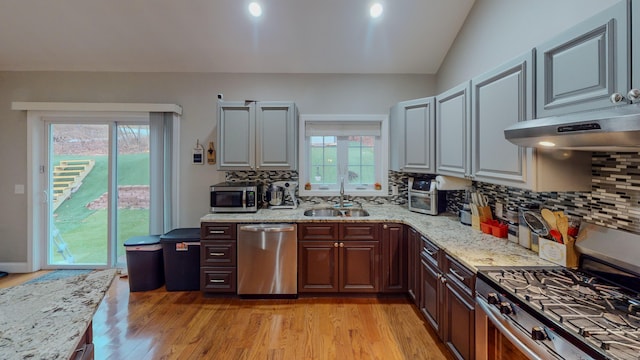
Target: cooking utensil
(562, 222)
(550, 218)
(536, 223)
(556, 235)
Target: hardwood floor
(185, 325)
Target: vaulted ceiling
(291, 36)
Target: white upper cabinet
(412, 129)
(257, 135)
(453, 136)
(581, 68)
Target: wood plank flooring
(185, 325)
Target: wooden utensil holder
(484, 214)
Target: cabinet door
(459, 317)
(413, 265)
(394, 259)
(276, 136)
(359, 266)
(317, 266)
(236, 135)
(579, 69)
(501, 98)
(430, 294)
(635, 49)
(413, 136)
(453, 132)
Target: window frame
(381, 153)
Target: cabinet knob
(616, 98)
(335, 244)
(443, 279)
(341, 244)
(385, 226)
(633, 95)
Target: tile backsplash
(614, 199)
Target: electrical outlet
(394, 189)
(18, 189)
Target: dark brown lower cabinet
(447, 302)
(413, 265)
(394, 259)
(338, 258)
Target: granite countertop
(45, 320)
(471, 247)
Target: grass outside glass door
(83, 231)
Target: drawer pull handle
(430, 252)
(216, 254)
(455, 273)
(213, 232)
(216, 281)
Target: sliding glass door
(98, 191)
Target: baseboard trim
(15, 267)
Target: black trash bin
(181, 250)
(145, 263)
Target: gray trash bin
(181, 251)
(145, 263)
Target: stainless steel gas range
(557, 313)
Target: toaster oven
(424, 198)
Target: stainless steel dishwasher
(267, 259)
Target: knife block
(479, 215)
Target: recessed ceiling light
(255, 9)
(375, 10)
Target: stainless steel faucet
(342, 192)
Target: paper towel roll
(452, 183)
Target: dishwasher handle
(268, 228)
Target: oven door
(423, 202)
(499, 338)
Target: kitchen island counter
(471, 247)
(48, 319)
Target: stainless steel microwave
(424, 199)
(235, 197)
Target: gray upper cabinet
(581, 68)
(412, 132)
(257, 135)
(276, 136)
(453, 131)
(500, 98)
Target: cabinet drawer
(320, 231)
(218, 253)
(218, 231)
(430, 251)
(218, 279)
(359, 232)
(460, 275)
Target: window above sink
(350, 147)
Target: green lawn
(84, 230)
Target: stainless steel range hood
(612, 129)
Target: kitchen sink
(356, 212)
(336, 212)
(323, 212)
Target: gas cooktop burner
(606, 316)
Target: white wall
(197, 94)
(498, 30)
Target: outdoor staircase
(67, 178)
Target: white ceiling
(292, 36)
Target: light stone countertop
(46, 319)
(471, 247)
